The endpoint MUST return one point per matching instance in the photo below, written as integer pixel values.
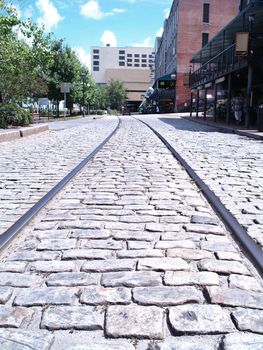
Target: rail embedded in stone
(12, 231)
(249, 246)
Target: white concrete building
(130, 65)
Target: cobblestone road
(129, 257)
(231, 165)
(30, 167)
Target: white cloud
(146, 43)
(159, 33)
(166, 13)
(83, 56)
(92, 10)
(50, 16)
(109, 37)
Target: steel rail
(13, 230)
(250, 248)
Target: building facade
(190, 25)
(133, 66)
(230, 67)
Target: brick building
(190, 25)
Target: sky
(87, 23)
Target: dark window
(144, 65)
(121, 58)
(121, 52)
(144, 56)
(136, 60)
(205, 38)
(206, 10)
(96, 51)
(96, 63)
(136, 55)
(96, 69)
(129, 60)
(129, 55)
(144, 61)
(121, 63)
(136, 65)
(96, 57)
(129, 65)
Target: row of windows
(122, 52)
(129, 64)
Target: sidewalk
(17, 132)
(237, 129)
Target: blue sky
(86, 23)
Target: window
(136, 55)
(136, 60)
(144, 56)
(121, 58)
(205, 38)
(96, 51)
(129, 65)
(96, 69)
(121, 63)
(129, 60)
(96, 57)
(144, 65)
(129, 55)
(136, 65)
(96, 63)
(206, 10)
(121, 52)
(144, 61)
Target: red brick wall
(190, 31)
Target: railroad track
(249, 247)
(129, 255)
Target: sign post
(65, 88)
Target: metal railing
(225, 62)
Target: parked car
(125, 110)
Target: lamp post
(173, 77)
(83, 76)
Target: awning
(167, 77)
(227, 35)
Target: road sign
(65, 87)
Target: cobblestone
(158, 271)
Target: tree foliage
(115, 94)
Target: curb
(10, 135)
(228, 129)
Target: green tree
(24, 56)
(116, 94)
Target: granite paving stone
(244, 341)
(71, 279)
(53, 266)
(200, 319)
(72, 317)
(14, 317)
(45, 296)
(245, 282)
(249, 320)
(16, 339)
(162, 296)
(235, 297)
(19, 280)
(162, 264)
(109, 265)
(222, 266)
(191, 278)
(98, 295)
(131, 279)
(134, 321)
(5, 294)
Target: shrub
(12, 114)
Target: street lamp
(83, 76)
